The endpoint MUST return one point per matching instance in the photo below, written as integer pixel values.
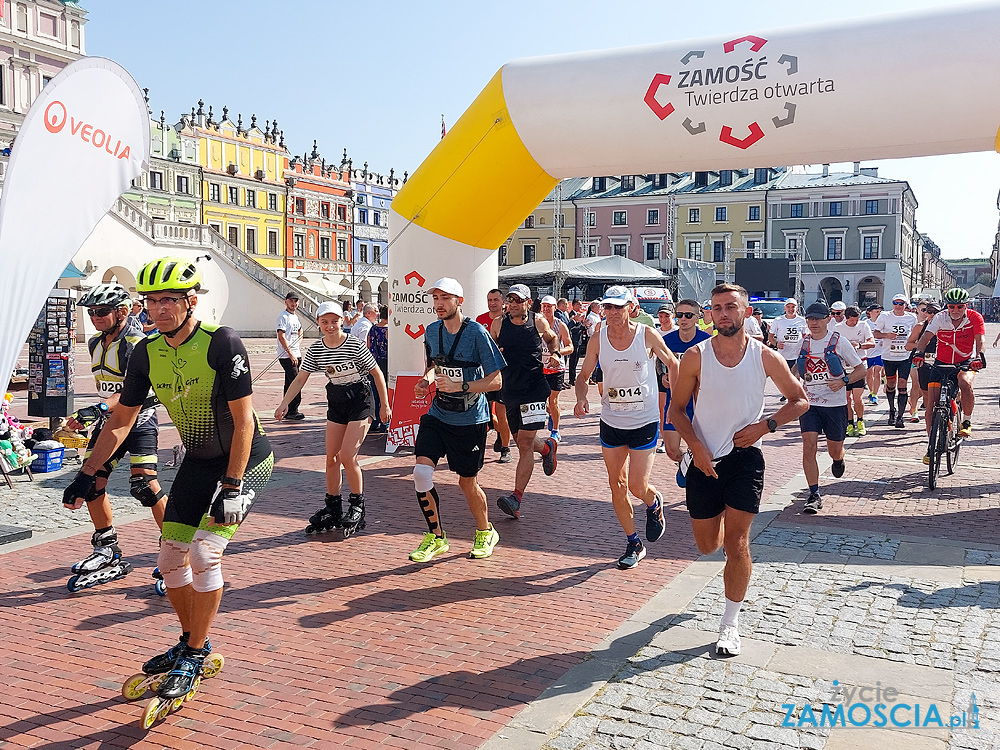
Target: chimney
(826, 170)
(857, 168)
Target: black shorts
(463, 445)
(830, 420)
(518, 405)
(141, 444)
(739, 486)
(897, 369)
(924, 376)
(494, 397)
(556, 380)
(349, 403)
(637, 439)
(598, 376)
(190, 496)
(857, 385)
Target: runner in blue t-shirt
(679, 340)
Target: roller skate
(104, 564)
(178, 685)
(154, 670)
(159, 586)
(328, 517)
(354, 519)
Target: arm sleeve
(136, 385)
(228, 357)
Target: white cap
(901, 297)
(792, 301)
(521, 291)
(618, 296)
(548, 299)
(330, 307)
(838, 305)
(448, 285)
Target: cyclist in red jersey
(961, 337)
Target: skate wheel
(310, 529)
(191, 693)
(176, 703)
(155, 710)
(71, 584)
(134, 687)
(160, 588)
(213, 665)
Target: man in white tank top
(630, 413)
(726, 375)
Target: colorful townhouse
(171, 189)
(536, 237)
(373, 192)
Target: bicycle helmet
(105, 294)
(956, 296)
(171, 274)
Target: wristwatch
(772, 425)
(234, 482)
(465, 386)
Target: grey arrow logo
(395, 321)
(693, 53)
(692, 128)
(395, 282)
(793, 63)
(780, 122)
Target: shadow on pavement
(972, 595)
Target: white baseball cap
(330, 307)
(448, 285)
(792, 301)
(521, 291)
(618, 296)
(548, 299)
(900, 298)
(838, 305)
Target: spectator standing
(378, 345)
(289, 350)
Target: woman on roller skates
(347, 363)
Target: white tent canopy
(317, 282)
(608, 268)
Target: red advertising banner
(407, 410)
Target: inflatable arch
(887, 87)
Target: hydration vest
(833, 362)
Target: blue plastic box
(50, 460)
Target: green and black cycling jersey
(195, 382)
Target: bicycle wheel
(935, 447)
(954, 441)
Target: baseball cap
(448, 285)
(548, 299)
(900, 298)
(838, 305)
(520, 290)
(664, 308)
(618, 296)
(791, 301)
(818, 310)
(330, 307)
(292, 295)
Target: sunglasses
(898, 303)
(838, 312)
(514, 298)
(952, 306)
(687, 315)
(99, 312)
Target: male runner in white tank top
(726, 375)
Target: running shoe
(556, 436)
(295, 416)
(914, 419)
(483, 544)
(927, 459)
(873, 400)
(549, 461)
(899, 423)
(505, 457)
(862, 430)
(891, 419)
(497, 445)
(510, 505)
(966, 430)
(838, 468)
(661, 448)
(813, 504)
(681, 479)
(633, 554)
(548, 421)
(654, 521)
(852, 430)
(729, 641)
(429, 548)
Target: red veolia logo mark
(56, 116)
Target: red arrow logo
(726, 136)
(755, 41)
(414, 334)
(414, 275)
(660, 110)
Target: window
(46, 80)
(234, 195)
(653, 216)
(796, 210)
(300, 206)
(502, 255)
(652, 251)
(324, 210)
(591, 219)
(22, 18)
(871, 207)
(694, 216)
(3, 99)
(620, 218)
(251, 198)
(183, 185)
(718, 251)
(529, 253)
(251, 240)
(694, 250)
(272, 201)
(376, 218)
(620, 248)
(590, 251)
(871, 247)
(362, 215)
(720, 213)
(792, 243)
(377, 254)
(562, 220)
(725, 177)
(660, 180)
(46, 24)
(216, 227)
(600, 184)
(299, 245)
(234, 236)
(341, 213)
(156, 180)
(753, 213)
(834, 248)
(341, 249)
(836, 208)
(324, 248)
(760, 176)
(701, 179)
(753, 244)
(529, 222)
(628, 182)
(361, 200)
(363, 253)
(74, 33)
(272, 242)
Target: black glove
(83, 485)
(90, 414)
(231, 505)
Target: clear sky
(376, 77)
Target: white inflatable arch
(886, 87)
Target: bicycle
(946, 422)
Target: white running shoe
(729, 641)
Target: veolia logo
(55, 121)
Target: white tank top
(630, 396)
(729, 398)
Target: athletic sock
(425, 508)
(656, 504)
(519, 494)
(813, 489)
(731, 617)
(901, 401)
(634, 538)
(891, 397)
(545, 449)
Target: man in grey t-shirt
(289, 351)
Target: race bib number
(792, 334)
(533, 412)
(453, 374)
(897, 346)
(108, 388)
(625, 399)
(342, 374)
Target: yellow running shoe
(429, 548)
(861, 430)
(927, 459)
(483, 544)
(852, 431)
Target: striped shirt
(345, 364)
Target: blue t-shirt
(476, 345)
(674, 343)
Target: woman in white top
(630, 414)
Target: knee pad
(173, 563)
(423, 478)
(206, 561)
(138, 487)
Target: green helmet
(172, 274)
(956, 296)
(105, 294)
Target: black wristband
(232, 481)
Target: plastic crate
(73, 442)
(50, 460)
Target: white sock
(731, 617)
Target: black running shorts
(140, 444)
(349, 403)
(556, 380)
(463, 445)
(897, 369)
(739, 486)
(528, 411)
